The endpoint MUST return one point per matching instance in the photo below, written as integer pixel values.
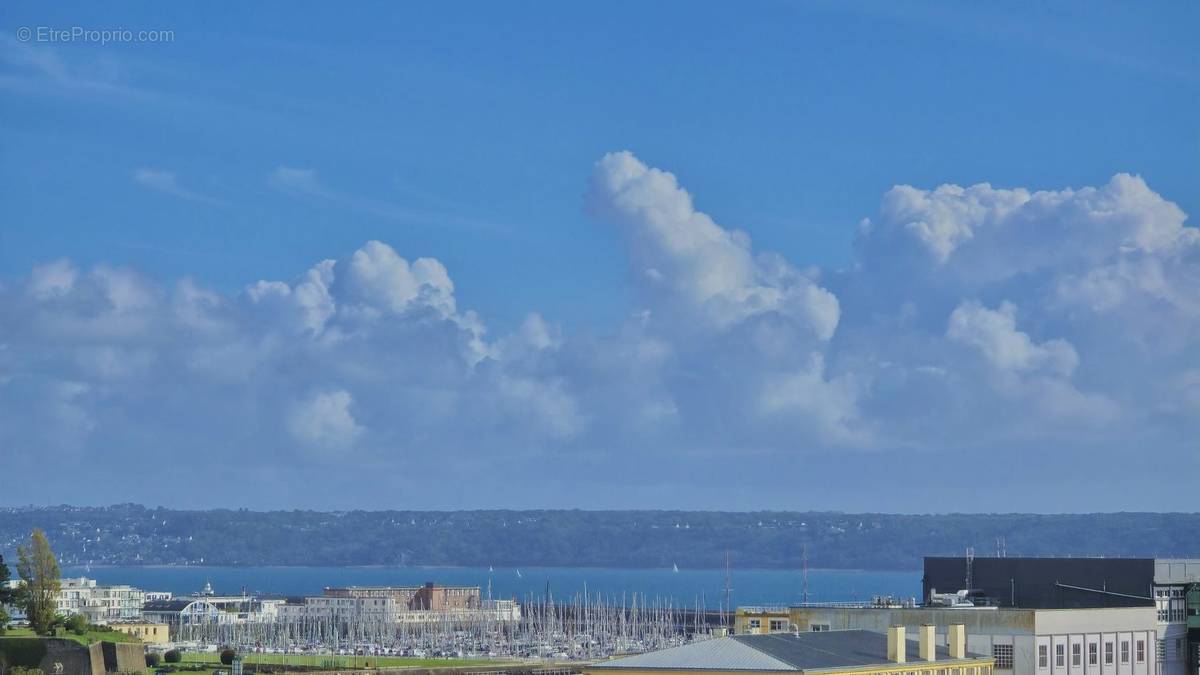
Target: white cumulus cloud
(995, 334)
(324, 420)
(682, 254)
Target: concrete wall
(67, 657)
(123, 657)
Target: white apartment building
(1171, 577)
(99, 604)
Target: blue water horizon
(686, 587)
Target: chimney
(896, 644)
(956, 640)
(927, 643)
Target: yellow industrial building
(146, 631)
(759, 620)
(857, 652)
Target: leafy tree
(39, 571)
(6, 596)
(152, 659)
(77, 624)
(227, 656)
(173, 656)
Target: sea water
(686, 588)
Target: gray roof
(173, 605)
(715, 654)
(774, 652)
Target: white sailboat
(674, 568)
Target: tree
(152, 659)
(173, 656)
(77, 624)
(6, 596)
(228, 655)
(39, 571)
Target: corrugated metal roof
(774, 652)
(716, 654)
(830, 649)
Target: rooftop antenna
(970, 564)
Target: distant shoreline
(531, 568)
(127, 536)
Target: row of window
(1161, 649)
(1169, 593)
(1060, 654)
(1172, 615)
(774, 625)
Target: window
(755, 623)
(776, 624)
(1004, 656)
(1124, 651)
(1108, 653)
(1077, 654)
(1043, 656)
(1060, 655)
(1141, 651)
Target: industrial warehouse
(825, 652)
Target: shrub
(152, 659)
(18, 670)
(76, 623)
(173, 656)
(227, 656)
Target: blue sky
(267, 137)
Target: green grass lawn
(333, 661)
(87, 638)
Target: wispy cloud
(166, 183)
(306, 183)
(43, 68)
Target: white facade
(1023, 641)
(1170, 579)
(99, 604)
(1117, 641)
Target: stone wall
(68, 657)
(123, 657)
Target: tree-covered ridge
(132, 535)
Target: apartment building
(100, 604)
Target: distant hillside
(133, 535)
